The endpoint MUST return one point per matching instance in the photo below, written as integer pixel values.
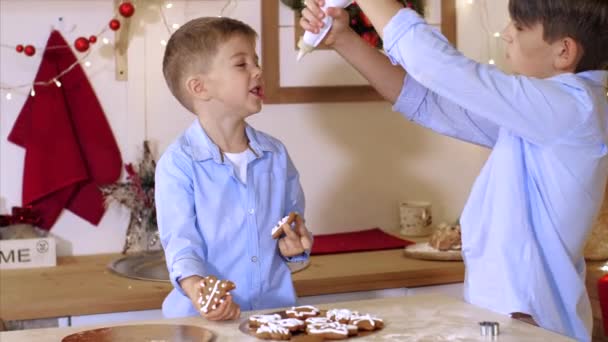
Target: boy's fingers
(310, 16)
(291, 234)
(219, 312)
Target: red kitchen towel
(360, 241)
(602, 291)
(69, 147)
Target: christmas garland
(359, 21)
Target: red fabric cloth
(602, 290)
(364, 240)
(70, 148)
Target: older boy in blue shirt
(222, 186)
(531, 208)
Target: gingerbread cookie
(332, 331)
(277, 231)
(367, 322)
(292, 324)
(302, 312)
(340, 315)
(271, 331)
(256, 321)
(212, 292)
(446, 237)
(317, 320)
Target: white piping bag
(309, 40)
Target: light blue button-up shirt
(210, 223)
(531, 208)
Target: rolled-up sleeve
(295, 201)
(180, 237)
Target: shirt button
(251, 211)
(254, 259)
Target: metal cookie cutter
(489, 328)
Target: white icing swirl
(265, 318)
(272, 328)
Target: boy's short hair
(193, 46)
(585, 21)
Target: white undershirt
(239, 161)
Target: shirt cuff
(184, 268)
(399, 24)
(299, 258)
(411, 97)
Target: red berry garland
(81, 44)
(29, 50)
(126, 9)
(114, 24)
(19, 48)
(92, 39)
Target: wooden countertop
(413, 318)
(83, 285)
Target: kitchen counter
(413, 318)
(82, 285)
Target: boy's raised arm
(524, 105)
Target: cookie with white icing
(212, 292)
(317, 320)
(340, 315)
(256, 321)
(271, 331)
(367, 322)
(292, 324)
(277, 231)
(302, 312)
(332, 331)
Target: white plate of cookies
(308, 323)
(444, 245)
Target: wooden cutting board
(143, 333)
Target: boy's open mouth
(258, 91)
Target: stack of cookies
(334, 324)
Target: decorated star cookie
(302, 312)
(277, 231)
(367, 322)
(212, 292)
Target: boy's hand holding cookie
(211, 297)
(296, 240)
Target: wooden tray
(143, 333)
(301, 336)
(425, 252)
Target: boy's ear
(569, 54)
(196, 87)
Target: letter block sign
(27, 253)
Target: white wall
(357, 161)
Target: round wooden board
(297, 337)
(142, 333)
(425, 252)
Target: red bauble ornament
(92, 39)
(81, 44)
(114, 24)
(126, 9)
(19, 48)
(29, 50)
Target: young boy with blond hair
(222, 185)
(532, 207)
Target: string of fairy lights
(84, 45)
(126, 9)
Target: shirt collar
(203, 148)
